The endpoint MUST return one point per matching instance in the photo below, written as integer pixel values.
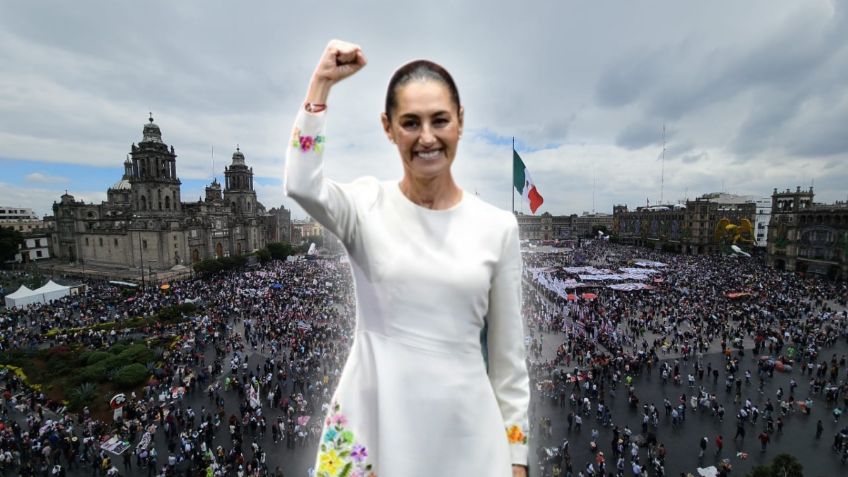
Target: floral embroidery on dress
(340, 455)
(305, 143)
(516, 435)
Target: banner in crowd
(649, 264)
(630, 286)
(254, 398)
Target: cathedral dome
(238, 158)
(152, 132)
(122, 184)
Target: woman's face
(426, 128)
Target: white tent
(52, 291)
(24, 296)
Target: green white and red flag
(524, 183)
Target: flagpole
(512, 185)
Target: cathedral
(145, 223)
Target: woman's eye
(441, 121)
(409, 124)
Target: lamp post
(150, 271)
(141, 260)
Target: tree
(280, 250)
(784, 465)
(10, 242)
(130, 376)
(263, 255)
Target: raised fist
(339, 60)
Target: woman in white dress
(435, 270)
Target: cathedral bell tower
(153, 174)
(239, 195)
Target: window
(144, 244)
(116, 242)
(86, 241)
(38, 253)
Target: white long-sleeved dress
(416, 397)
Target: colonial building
(144, 222)
(35, 247)
(586, 223)
(545, 226)
(692, 228)
(279, 225)
(808, 237)
(305, 231)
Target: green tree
(280, 250)
(130, 376)
(784, 465)
(10, 242)
(263, 255)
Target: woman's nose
(427, 136)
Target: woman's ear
(387, 126)
(461, 119)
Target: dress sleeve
(507, 354)
(331, 204)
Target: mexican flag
(524, 183)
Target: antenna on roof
(662, 173)
(213, 162)
(594, 182)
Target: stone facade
(279, 225)
(305, 231)
(689, 228)
(808, 237)
(545, 226)
(583, 224)
(144, 222)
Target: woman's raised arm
(328, 202)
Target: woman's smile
(429, 154)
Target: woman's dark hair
(418, 70)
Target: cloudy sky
(753, 94)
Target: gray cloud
(640, 134)
(585, 91)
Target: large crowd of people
(206, 410)
(251, 372)
(608, 340)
